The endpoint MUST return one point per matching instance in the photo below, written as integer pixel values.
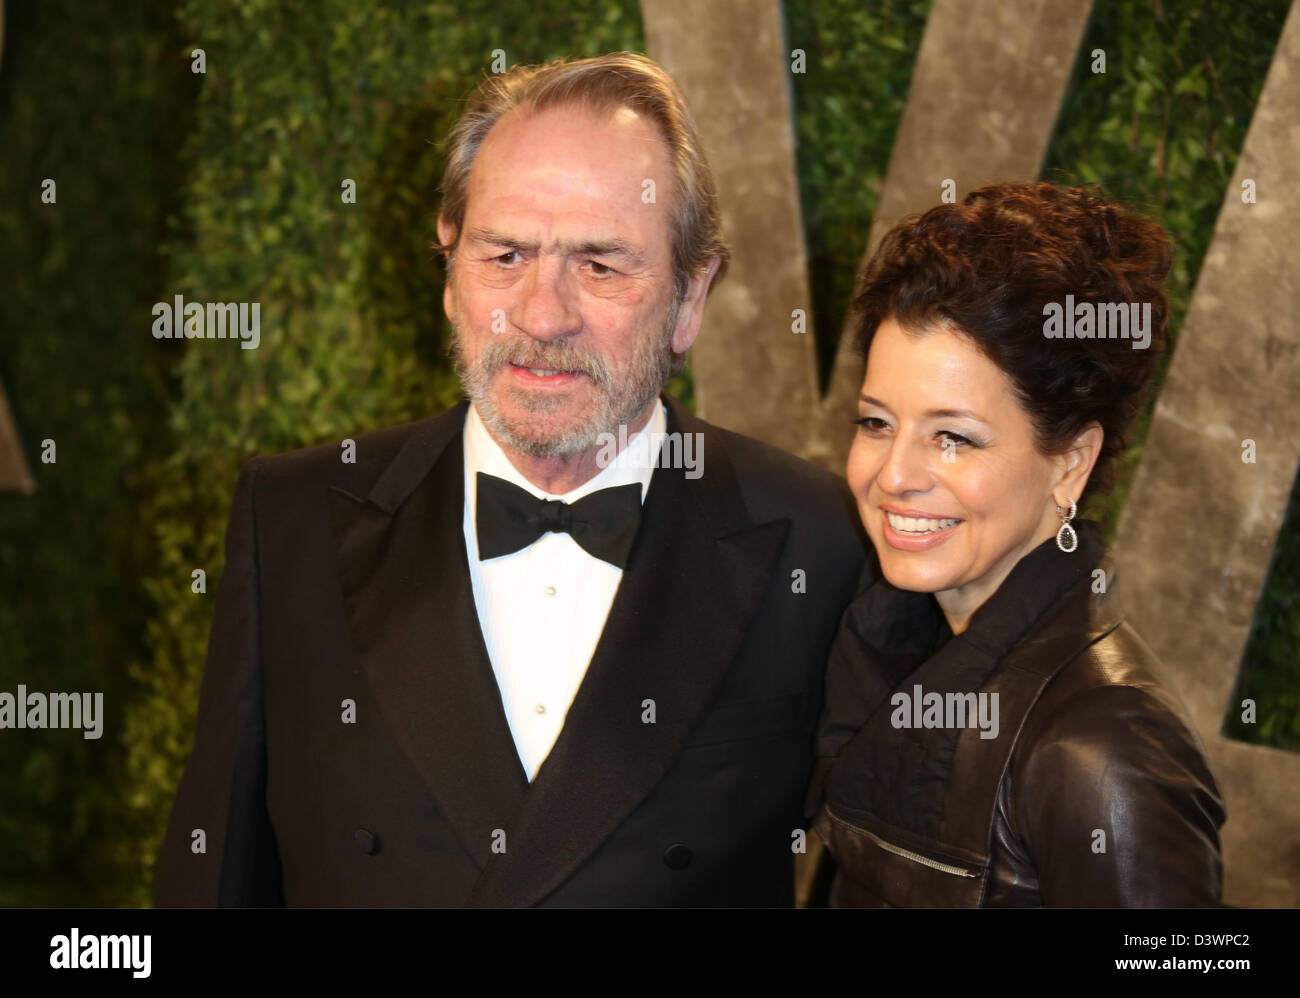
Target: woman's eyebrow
(954, 414)
(930, 413)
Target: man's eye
(599, 269)
(505, 259)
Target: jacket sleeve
(1117, 807)
(219, 848)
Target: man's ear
(446, 233)
(691, 312)
(447, 237)
(1076, 464)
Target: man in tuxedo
(564, 643)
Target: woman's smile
(915, 530)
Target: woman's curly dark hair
(990, 266)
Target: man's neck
(562, 474)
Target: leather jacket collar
(902, 641)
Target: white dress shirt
(542, 609)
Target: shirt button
(540, 708)
(549, 590)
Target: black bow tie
(509, 518)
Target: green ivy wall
(226, 187)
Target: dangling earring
(1066, 539)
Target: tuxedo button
(367, 842)
(678, 856)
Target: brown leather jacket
(1091, 790)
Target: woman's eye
(872, 424)
(956, 438)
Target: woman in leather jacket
(994, 733)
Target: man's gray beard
(616, 404)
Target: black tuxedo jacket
(347, 584)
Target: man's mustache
(525, 352)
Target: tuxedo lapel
(697, 572)
(415, 631)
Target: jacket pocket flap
(871, 871)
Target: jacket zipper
(915, 857)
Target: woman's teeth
(918, 524)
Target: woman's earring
(1066, 539)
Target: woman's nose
(906, 468)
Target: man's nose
(547, 308)
(906, 468)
